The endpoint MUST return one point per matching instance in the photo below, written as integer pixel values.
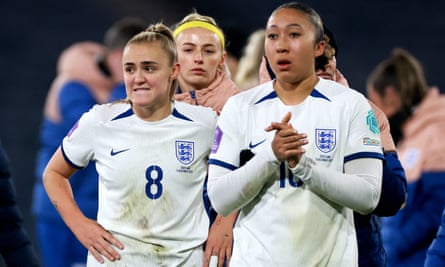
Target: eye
(187, 50)
(294, 35)
(210, 51)
(129, 69)
(272, 36)
(149, 68)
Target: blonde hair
(247, 75)
(197, 20)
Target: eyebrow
(287, 26)
(193, 44)
(142, 63)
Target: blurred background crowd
(34, 33)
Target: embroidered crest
(325, 139)
(185, 152)
(371, 121)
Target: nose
(198, 57)
(281, 45)
(139, 77)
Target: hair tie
(201, 24)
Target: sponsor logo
(114, 153)
(185, 152)
(252, 146)
(371, 142)
(325, 139)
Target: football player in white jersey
(316, 156)
(151, 155)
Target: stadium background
(33, 33)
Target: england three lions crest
(185, 152)
(325, 139)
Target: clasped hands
(287, 143)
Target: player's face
(290, 45)
(200, 55)
(148, 75)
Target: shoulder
(336, 91)
(255, 95)
(194, 113)
(110, 111)
(342, 97)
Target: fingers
(221, 257)
(110, 239)
(286, 118)
(287, 144)
(103, 245)
(284, 124)
(228, 256)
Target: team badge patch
(216, 139)
(371, 121)
(185, 152)
(325, 139)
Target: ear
(223, 60)
(319, 48)
(175, 71)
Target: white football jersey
(286, 224)
(151, 177)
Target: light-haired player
(151, 155)
(316, 156)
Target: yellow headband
(201, 24)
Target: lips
(140, 89)
(198, 71)
(283, 64)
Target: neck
(296, 92)
(153, 113)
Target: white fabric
(283, 221)
(151, 175)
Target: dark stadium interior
(35, 32)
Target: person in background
(393, 195)
(201, 54)
(416, 114)
(310, 167)
(86, 74)
(235, 38)
(16, 248)
(115, 39)
(435, 255)
(203, 80)
(249, 63)
(151, 155)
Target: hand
(220, 240)
(97, 240)
(287, 143)
(340, 78)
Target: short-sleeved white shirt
(151, 175)
(285, 224)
